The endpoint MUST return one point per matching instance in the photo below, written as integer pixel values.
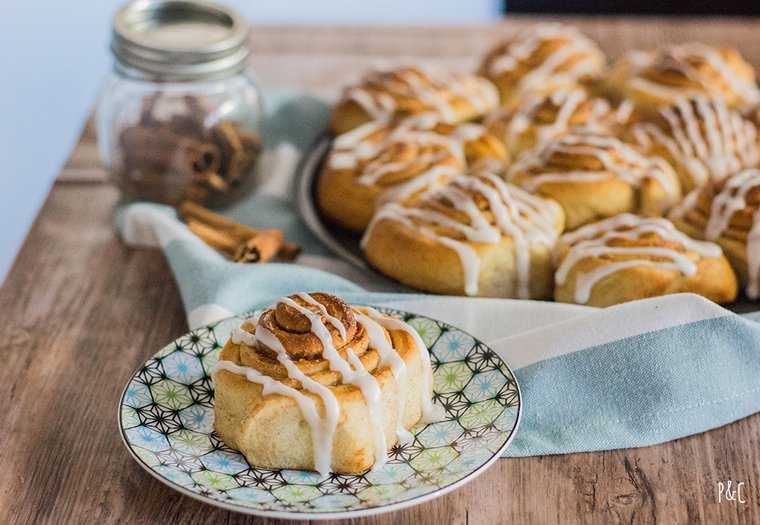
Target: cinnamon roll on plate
(315, 384)
(629, 257)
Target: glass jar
(180, 116)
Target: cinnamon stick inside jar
(179, 157)
(180, 114)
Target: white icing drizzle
(361, 146)
(357, 376)
(731, 199)
(704, 136)
(522, 120)
(591, 241)
(390, 358)
(686, 59)
(552, 70)
(433, 178)
(242, 336)
(626, 164)
(324, 433)
(321, 434)
(439, 89)
(430, 412)
(527, 219)
(681, 208)
(376, 168)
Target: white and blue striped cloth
(631, 375)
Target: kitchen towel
(630, 375)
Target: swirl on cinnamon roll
(541, 118)
(315, 384)
(727, 212)
(475, 236)
(542, 59)
(483, 151)
(378, 163)
(629, 257)
(406, 91)
(702, 138)
(656, 78)
(594, 176)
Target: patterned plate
(167, 411)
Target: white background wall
(53, 55)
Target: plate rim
(347, 514)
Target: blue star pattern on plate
(167, 414)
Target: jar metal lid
(179, 40)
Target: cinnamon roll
(727, 212)
(378, 163)
(540, 118)
(702, 138)
(594, 176)
(542, 59)
(656, 78)
(629, 257)
(476, 236)
(315, 384)
(407, 91)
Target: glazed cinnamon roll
(594, 176)
(629, 257)
(475, 236)
(727, 212)
(315, 384)
(541, 118)
(702, 138)
(542, 59)
(656, 78)
(378, 163)
(406, 91)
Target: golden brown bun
(540, 118)
(702, 138)
(495, 242)
(542, 59)
(656, 78)
(594, 177)
(382, 162)
(271, 430)
(626, 258)
(725, 212)
(483, 151)
(407, 91)
(751, 113)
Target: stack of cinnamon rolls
(549, 174)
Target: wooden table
(81, 312)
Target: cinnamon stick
(260, 248)
(217, 239)
(212, 155)
(197, 214)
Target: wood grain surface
(81, 312)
